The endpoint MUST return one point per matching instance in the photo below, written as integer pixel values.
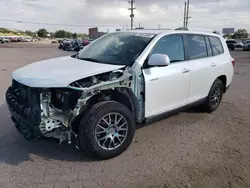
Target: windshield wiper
(90, 59)
(175, 61)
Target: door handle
(153, 79)
(213, 65)
(185, 70)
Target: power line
(218, 11)
(223, 19)
(124, 25)
(58, 24)
(132, 12)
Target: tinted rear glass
(196, 46)
(217, 47)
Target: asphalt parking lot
(189, 150)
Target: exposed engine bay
(60, 106)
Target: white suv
(123, 78)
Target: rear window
(217, 47)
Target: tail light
(233, 62)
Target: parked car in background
(54, 41)
(34, 39)
(231, 44)
(246, 45)
(4, 40)
(68, 45)
(85, 42)
(63, 41)
(25, 39)
(91, 40)
(14, 39)
(239, 44)
(78, 45)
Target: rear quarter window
(216, 44)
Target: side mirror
(159, 60)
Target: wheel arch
(223, 78)
(124, 96)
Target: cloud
(213, 14)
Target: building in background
(228, 31)
(94, 33)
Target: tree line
(43, 33)
(58, 34)
(239, 34)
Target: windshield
(121, 48)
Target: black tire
(86, 130)
(208, 106)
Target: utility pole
(187, 18)
(132, 12)
(184, 21)
(186, 14)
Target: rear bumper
(26, 117)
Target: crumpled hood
(59, 72)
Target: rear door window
(217, 47)
(196, 46)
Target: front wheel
(106, 130)
(214, 97)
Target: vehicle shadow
(192, 110)
(14, 149)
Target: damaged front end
(51, 112)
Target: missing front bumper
(25, 110)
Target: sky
(79, 15)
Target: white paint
(59, 72)
(166, 88)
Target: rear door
(202, 66)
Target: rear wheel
(214, 97)
(106, 130)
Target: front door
(166, 88)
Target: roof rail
(149, 29)
(198, 29)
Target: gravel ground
(188, 150)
